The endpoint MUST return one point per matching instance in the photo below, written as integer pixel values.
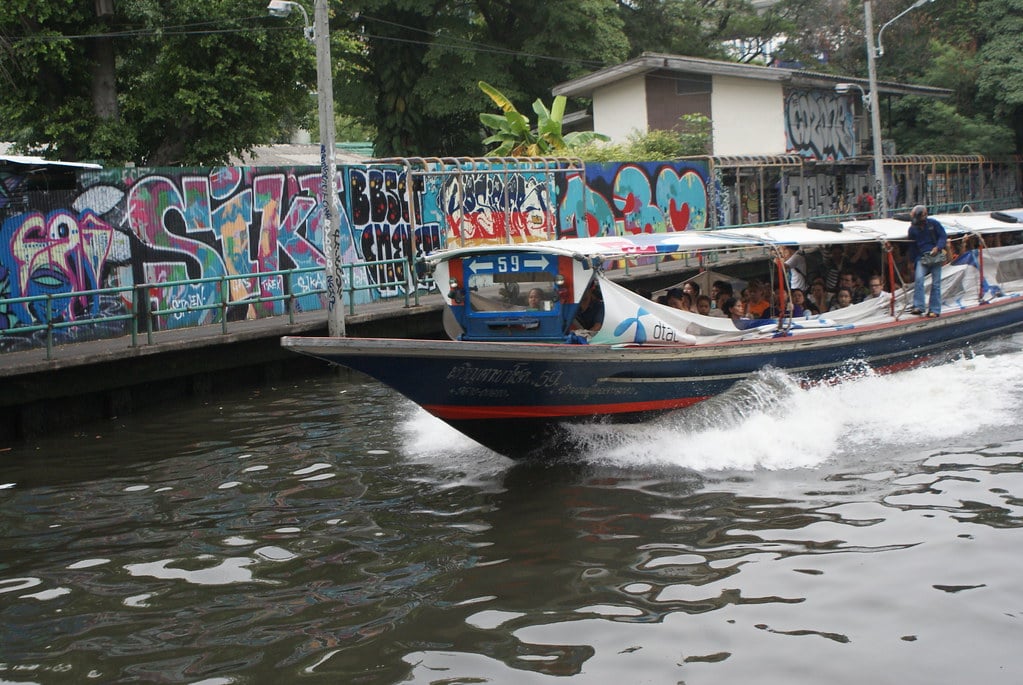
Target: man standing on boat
(928, 251)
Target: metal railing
(142, 315)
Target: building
(754, 110)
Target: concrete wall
(142, 228)
(621, 108)
(748, 117)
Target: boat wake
(772, 421)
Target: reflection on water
(330, 532)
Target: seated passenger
(843, 298)
(535, 301)
(758, 304)
(735, 310)
(818, 299)
(677, 299)
(590, 316)
(800, 307)
(703, 305)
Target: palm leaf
(498, 97)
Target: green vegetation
(691, 139)
(195, 82)
(514, 134)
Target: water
(328, 531)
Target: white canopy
(808, 234)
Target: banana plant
(515, 135)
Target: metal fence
(141, 318)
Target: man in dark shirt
(928, 252)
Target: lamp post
(875, 114)
(872, 100)
(319, 34)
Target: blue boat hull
(514, 397)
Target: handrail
(144, 317)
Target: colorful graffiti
(615, 199)
(202, 242)
(495, 206)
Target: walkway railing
(139, 314)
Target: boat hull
(515, 397)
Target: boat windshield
(513, 292)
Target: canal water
(328, 531)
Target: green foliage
(924, 126)
(433, 53)
(691, 139)
(199, 81)
(514, 134)
(195, 81)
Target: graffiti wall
(649, 197)
(185, 247)
(819, 125)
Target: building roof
(31, 161)
(651, 61)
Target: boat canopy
(807, 234)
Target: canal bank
(103, 379)
(90, 381)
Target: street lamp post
(880, 183)
(872, 99)
(319, 34)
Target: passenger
(928, 250)
(833, 268)
(590, 316)
(692, 289)
(800, 307)
(758, 304)
(736, 311)
(864, 260)
(676, 298)
(795, 264)
(847, 280)
(720, 287)
(818, 298)
(843, 298)
(703, 305)
(535, 300)
(719, 292)
(876, 288)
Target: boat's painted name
(497, 382)
(517, 375)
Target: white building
(754, 110)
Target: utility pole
(880, 184)
(328, 167)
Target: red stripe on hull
(450, 412)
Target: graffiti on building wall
(616, 199)
(132, 227)
(809, 196)
(227, 230)
(819, 125)
(489, 207)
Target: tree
(195, 82)
(969, 46)
(1000, 77)
(416, 77)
